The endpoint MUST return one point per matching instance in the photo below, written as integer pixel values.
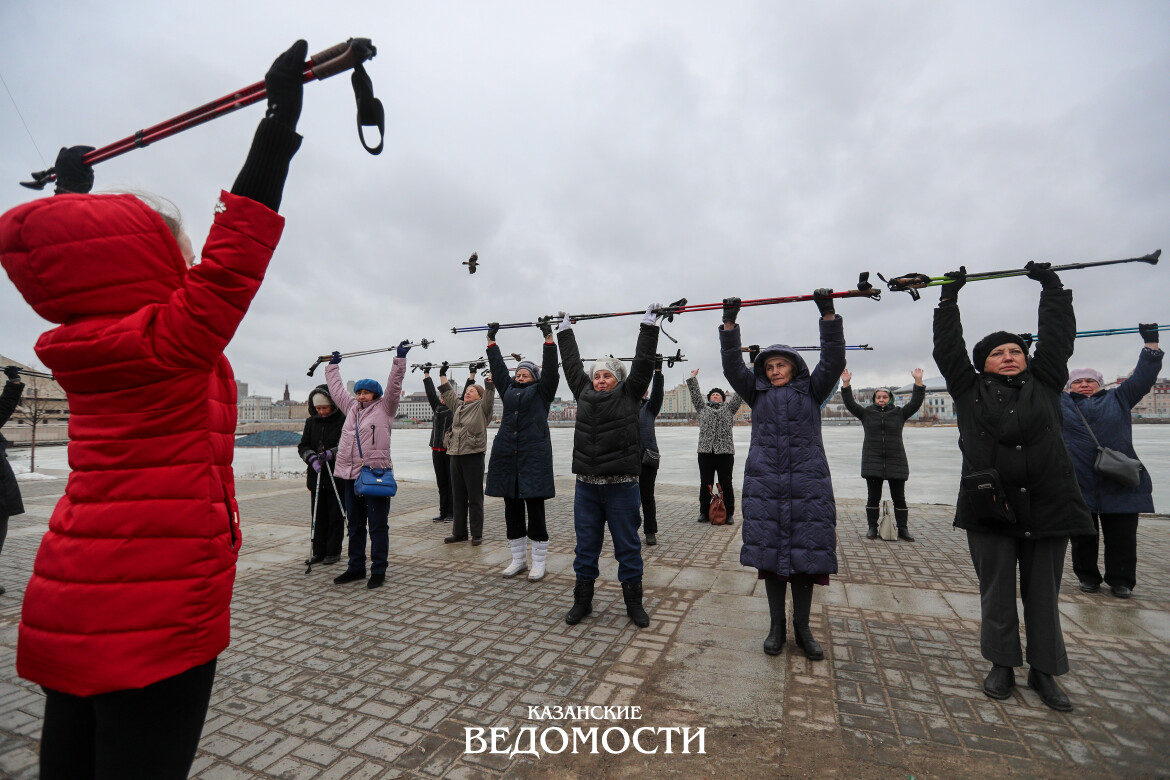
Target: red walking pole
(322, 65)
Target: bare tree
(42, 399)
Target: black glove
(730, 309)
(335, 359)
(285, 83)
(545, 327)
(72, 174)
(658, 363)
(1149, 331)
(1043, 273)
(443, 368)
(13, 373)
(823, 301)
(493, 327)
(403, 348)
(950, 292)
(753, 353)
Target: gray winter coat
(882, 454)
(1108, 411)
(789, 516)
(716, 420)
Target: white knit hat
(612, 365)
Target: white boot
(539, 555)
(519, 547)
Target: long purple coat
(789, 516)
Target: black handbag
(1115, 465)
(984, 492)
(650, 458)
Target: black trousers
(1041, 563)
(443, 480)
(518, 528)
(330, 528)
(649, 505)
(709, 464)
(146, 733)
(874, 489)
(467, 493)
(1120, 532)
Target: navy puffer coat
(1108, 411)
(883, 455)
(789, 516)
(521, 465)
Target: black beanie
(714, 390)
(990, 342)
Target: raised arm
(950, 351)
(345, 402)
(855, 409)
(571, 362)
(657, 388)
(739, 376)
(916, 397)
(643, 368)
(1143, 377)
(489, 400)
(10, 398)
(697, 400)
(550, 377)
(499, 369)
(828, 369)
(432, 394)
(393, 394)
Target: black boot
(802, 589)
(1050, 693)
(582, 602)
(902, 517)
(871, 517)
(1000, 681)
(632, 592)
(778, 632)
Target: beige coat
(469, 421)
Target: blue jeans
(359, 509)
(593, 507)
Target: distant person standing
(440, 424)
(716, 444)
(10, 502)
(318, 448)
(1093, 415)
(651, 458)
(883, 456)
(467, 446)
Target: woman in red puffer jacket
(128, 605)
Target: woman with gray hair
(716, 444)
(1095, 417)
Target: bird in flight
(471, 262)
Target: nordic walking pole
(340, 503)
(425, 344)
(1085, 334)
(912, 283)
(336, 59)
(313, 525)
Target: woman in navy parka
(789, 516)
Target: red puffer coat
(133, 581)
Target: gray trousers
(1041, 562)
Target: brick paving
(325, 681)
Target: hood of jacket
(57, 252)
(800, 377)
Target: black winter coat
(10, 501)
(321, 433)
(883, 455)
(606, 439)
(441, 423)
(521, 464)
(650, 408)
(1013, 424)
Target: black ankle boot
(1000, 681)
(802, 590)
(805, 641)
(632, 592)
(871, 517)
(1050, 692)
(778, 631)
(582, 602)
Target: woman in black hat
(1018, 501)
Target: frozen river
(933, 452)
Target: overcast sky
(601, 156)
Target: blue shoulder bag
(372, 482)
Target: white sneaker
(539, 556)
(519, 548)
